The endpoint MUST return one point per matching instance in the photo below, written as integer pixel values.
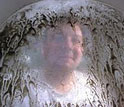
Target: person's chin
(65, 65)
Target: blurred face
(63, 47)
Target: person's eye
(76, 41)
(58, 37)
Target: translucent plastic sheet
(62, 54)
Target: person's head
(62, 47)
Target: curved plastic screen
(62, 54)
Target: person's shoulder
(81, 77)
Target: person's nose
(67, 44)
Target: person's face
(63, 48)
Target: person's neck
(60, 80)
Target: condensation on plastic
(20, 41)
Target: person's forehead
(65, 29)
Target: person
(62, 51)
(59, 81)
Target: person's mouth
(66, 57)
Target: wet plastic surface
(41, 38)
